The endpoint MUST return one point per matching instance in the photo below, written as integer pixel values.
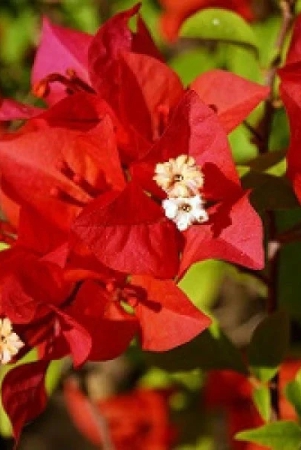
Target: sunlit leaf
(220, 25)
(262, 400)
(202, 282)
(281, 435)
(193, 62)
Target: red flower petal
(13, 110)
(294, 51)
(78, 338)
(60, 49)
(128, 232)
(23, 394)
(85, 415)
(167, 317)
(111, 39)
(291, 96)
(36, 234)
(87, 156)
(148, 92)
(110, 327)
(28, 162)
(234, 235)
(232, 106)
(79, 111)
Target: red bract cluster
(176, 11)
(111, 194)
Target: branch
(288, 13)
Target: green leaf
(266, 32)
(266, 161)
(215, 24)
(262, 400)
(242, 61)
(202, 282)
(279, 137)
(281, 435)
(193, 62)
(53, 375)
(242, 148)
(292, 391)
(289, 284)
(269, 192)
(210, 350)
(269, 345)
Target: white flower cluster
(182, 179)
(10, 343)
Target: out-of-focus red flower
(133, 421)
(231, 393)
(176, 11)
(287, 373)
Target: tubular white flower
(179, 177)
(10, 343)
(185, 211)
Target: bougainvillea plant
(121, 182)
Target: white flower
(185, 211)
(179, 177)
(10, 343)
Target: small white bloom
(179, 177)
(10, 343)
(185, 211)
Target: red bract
(294, 50)
(12, 110)
(291, 96)
(167, 318)
(176, 11)
(134, 421)
(145, 240)
(57, 170)
(23, 386)
(111, 328)
(70, 48)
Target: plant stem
(288, 13)
(273, 245)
